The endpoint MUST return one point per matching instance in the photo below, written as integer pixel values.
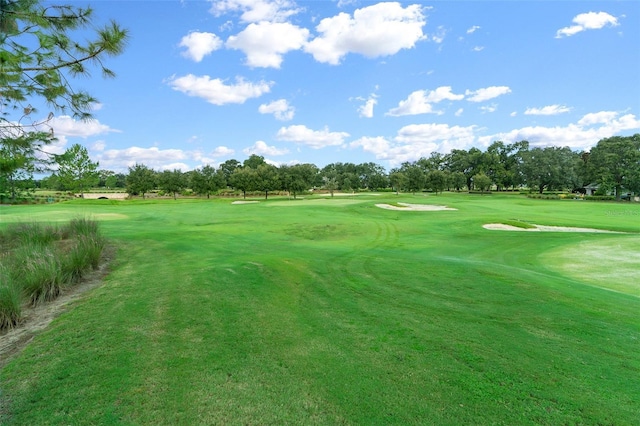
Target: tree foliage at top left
(40, 54)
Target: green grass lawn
(334, 311)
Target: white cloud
(65, 125)
(438, 36)
(486, 93)
(98, 146)
(174, 166)
(315, 139)
(478, 49)
(155, 158)
(216, 91)
(256, 10)
(265, 43)
(379, 30)
(261, 148)
(366, 110)
(588, 21)
(420, 102)
(199, 45)
(581, 135)
(417, 140)
(489, 108)
(548, 110)
(280, 109)
(601, 117)
(459, 112)
(473, 29)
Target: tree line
(613, 164)
(39, 58)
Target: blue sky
(357, 81)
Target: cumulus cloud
(588, 21)
(379, 30)
(159, 159)
(199, 45)
(265, 43)
(65, 125)
(486, 93)
(581, 135)
(256, 10)
(315, 139)
(280, 109)
(151, 157)
(261, 148)
(216, 91)
(420, 102)
(366, 110)
(417, 140)
(548, 110)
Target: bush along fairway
(335, 311)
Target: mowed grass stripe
(322, 314)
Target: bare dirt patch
(36, 319)
(545, 228)
(406, 207)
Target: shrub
(600, 198)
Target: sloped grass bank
(338, 314)
(37, 260)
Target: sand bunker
(544, 228)
(245, 202)
(415, 207)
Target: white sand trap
(544, 228)
(245, 202)
(415, 207)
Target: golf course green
(336, 311)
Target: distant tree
(481, 182)
(398, 180)
(371, 175)
(140, 180)
(103, 175)
(76, 170)
(329, 176)
(206, 180)
(226, 169)
(298, 178)
(172, 181)
(16, 171)
(254, 161)
(550, 168)
(457, 180)
(436, 180)
(615, 161)
(267, 178)
(415, 177)
(244, 179)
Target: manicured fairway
(334, 311)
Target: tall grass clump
(10, 300)
(81, 226)
(37, 268)
(34, 232)
(37, 261)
